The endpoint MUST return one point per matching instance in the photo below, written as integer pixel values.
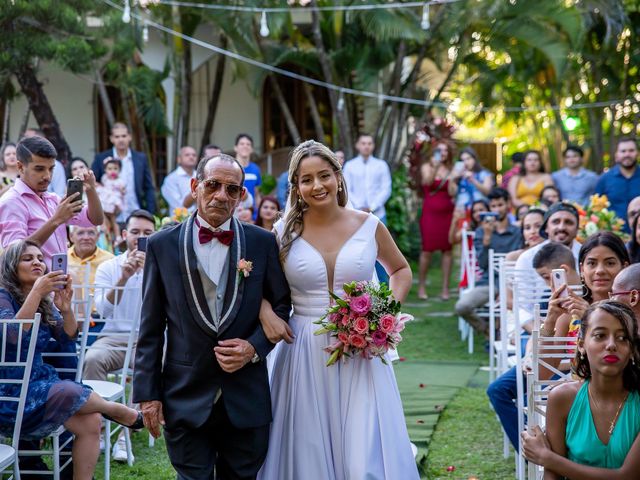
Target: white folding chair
(494, 307)
(15, 368)
(544, 349)
(468, 263)
(114, 391)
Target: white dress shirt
(175, 187)
(107, 275)
(212, 256)
(368, 183)
(58, 183)
(127, 173)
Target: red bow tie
(205, 235)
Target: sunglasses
(212, 186)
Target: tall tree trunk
(42, 111)
(216, 90)
(5, 120)
(104, 97)
(597, 138)
(187, 87)
(178, 65)
(284, 108)
(24, 123)
(342, 116)
(315, 114)
(394, 89)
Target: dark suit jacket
(173, 298)
(145, 190)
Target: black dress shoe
(137, 425)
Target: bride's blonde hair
(295, 205)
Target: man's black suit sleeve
(147, 376)
(97, 166)
(148, 190)
(276, 291)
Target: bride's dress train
(343, 422)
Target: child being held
(111, 194)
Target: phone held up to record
(59, 263)
(558, 279)
(74, 185)
(142, 244)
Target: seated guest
(634, 244)
(521, 211)
(575, 183)
(526, 187)
(626, 288)
(471, 182)
(210, 150)
(77, 168)
(8, 167)
(530, 229)
(550, 195)
(268, 211)
(503, 391)
(176, 188)
(495, 233)
(27, 289)
(633, 210)
(517, 159)
(460, 218)
(125, 270)
(593, 425)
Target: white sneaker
(119, 452)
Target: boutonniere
(244, 268)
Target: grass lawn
(466, 436)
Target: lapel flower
(244, 268)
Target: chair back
(16, 360)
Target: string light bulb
(341, 102)
(425, 24)
(126, 13)
(145, 32)
(264, 28)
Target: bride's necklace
(597, 405)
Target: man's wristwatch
(255, 358)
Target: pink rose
(361, 325)
(361, 305)
(345, 320)
(379, 338)
(343, 311)
(357, 341)
(334, 318)
(387, 322)
(344, 338)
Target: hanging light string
(335, 8)
(363, 93)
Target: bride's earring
(340, 187)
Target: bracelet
(545, 333)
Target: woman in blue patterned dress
(27, 289)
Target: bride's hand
(274, 327)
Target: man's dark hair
(573, 148)
(140, 213)
(202, 164)
(554, 254)
(364, 134)
(517, 158)
(120, 125)
(29, 146)
(240, 136)
(625, 140)
(213, 145)
(498, 193)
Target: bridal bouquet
(365, 321)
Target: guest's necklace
(615, 418)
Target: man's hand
(488, 226)
(88, 180)
(67, 209)
(130, 266)
(233, 354)
(274, 327)
(153, 416)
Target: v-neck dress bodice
(343, 422)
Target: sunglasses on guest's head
(212, 186)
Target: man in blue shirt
(575, 183)
(252, 178)
(622, 182)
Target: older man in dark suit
(204, 282)
(135, 171)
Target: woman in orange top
(525, 189)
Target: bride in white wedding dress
(345, 421)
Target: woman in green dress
(593, 424)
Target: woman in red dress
(437, 213)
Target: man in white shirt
(125, 270)
(560, 225)
(368, 179)
(176, 188)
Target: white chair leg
(56, 457)
(127, 441)
(107, 450)
(152, 441)
(505, 445)
(470, 339)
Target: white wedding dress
(345, 421)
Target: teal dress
(584, 446)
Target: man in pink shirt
(28, 211)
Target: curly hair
(296, 207)
(626, 317)
(9, 262)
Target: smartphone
(559, 278)
(74, 185)
(437, 155)
(59, 262)
(488, 216)
(459, 167)
(142, 244)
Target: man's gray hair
(221, 157)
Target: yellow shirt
(77, 268)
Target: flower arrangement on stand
(180, 214)
(365, 321)
(434, 131)
(597, 216)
